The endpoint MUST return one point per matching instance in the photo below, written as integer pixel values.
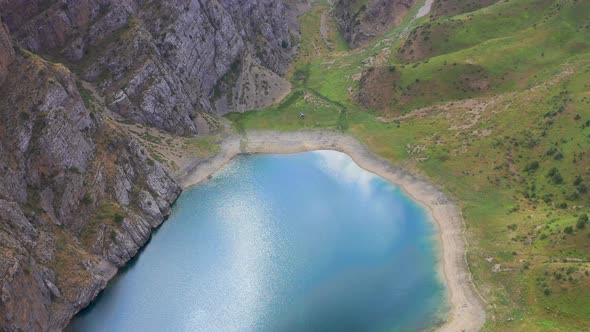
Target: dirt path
(467, 313)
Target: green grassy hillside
(494, 106)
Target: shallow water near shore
(299, 242)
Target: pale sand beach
(467, 311)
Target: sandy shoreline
(467, 310)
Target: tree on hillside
(582, 221)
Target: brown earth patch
(418, 44)
(377, 88)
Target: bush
(87, 199)
(548, 198)
(532, 166)
(118, 217)
(568, 230)
(582, 221)
(24, 116)
(555, 176)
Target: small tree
(118, 217)
(582, 221)
(532, 166)
(555, 176)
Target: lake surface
(300, 242)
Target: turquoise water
(301, 242)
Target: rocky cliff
(78, 196)
(77, 200)
(165, 63)
(360, 21)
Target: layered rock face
(361, 21)
(164, 63)
(77, 200)
(78, 196)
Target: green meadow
(492, 105)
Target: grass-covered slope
(493, 104)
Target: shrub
(568, 230)
(548, 198)
(555, 176)
(87, 199)
(24, 116)
(118, 217)
(582, 221)
(532, 166)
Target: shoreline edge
(467, 308)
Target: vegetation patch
(108, 213)
(495, 110)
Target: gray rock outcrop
(361, 21)
(64, 230)
(164, 63)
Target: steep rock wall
(160, 63)
(77, 200)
